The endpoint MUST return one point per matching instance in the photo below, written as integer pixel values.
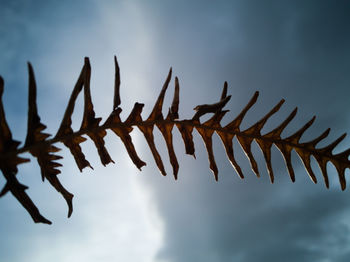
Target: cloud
(293, 50)
(113, 217)
(285, 50)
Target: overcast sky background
(296, 50)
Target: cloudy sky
(296, 50)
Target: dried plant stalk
(43, 149)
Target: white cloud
(114, 219)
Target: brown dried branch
(65, 130)
(46, 159)
(42, 147)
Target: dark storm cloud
(293, 231)
(297, 50)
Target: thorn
(224, 91)
(116, 101)
(87, 61)
(1, 85)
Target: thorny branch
(42, 147)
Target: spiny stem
(122, 125)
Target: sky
(296, 50)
